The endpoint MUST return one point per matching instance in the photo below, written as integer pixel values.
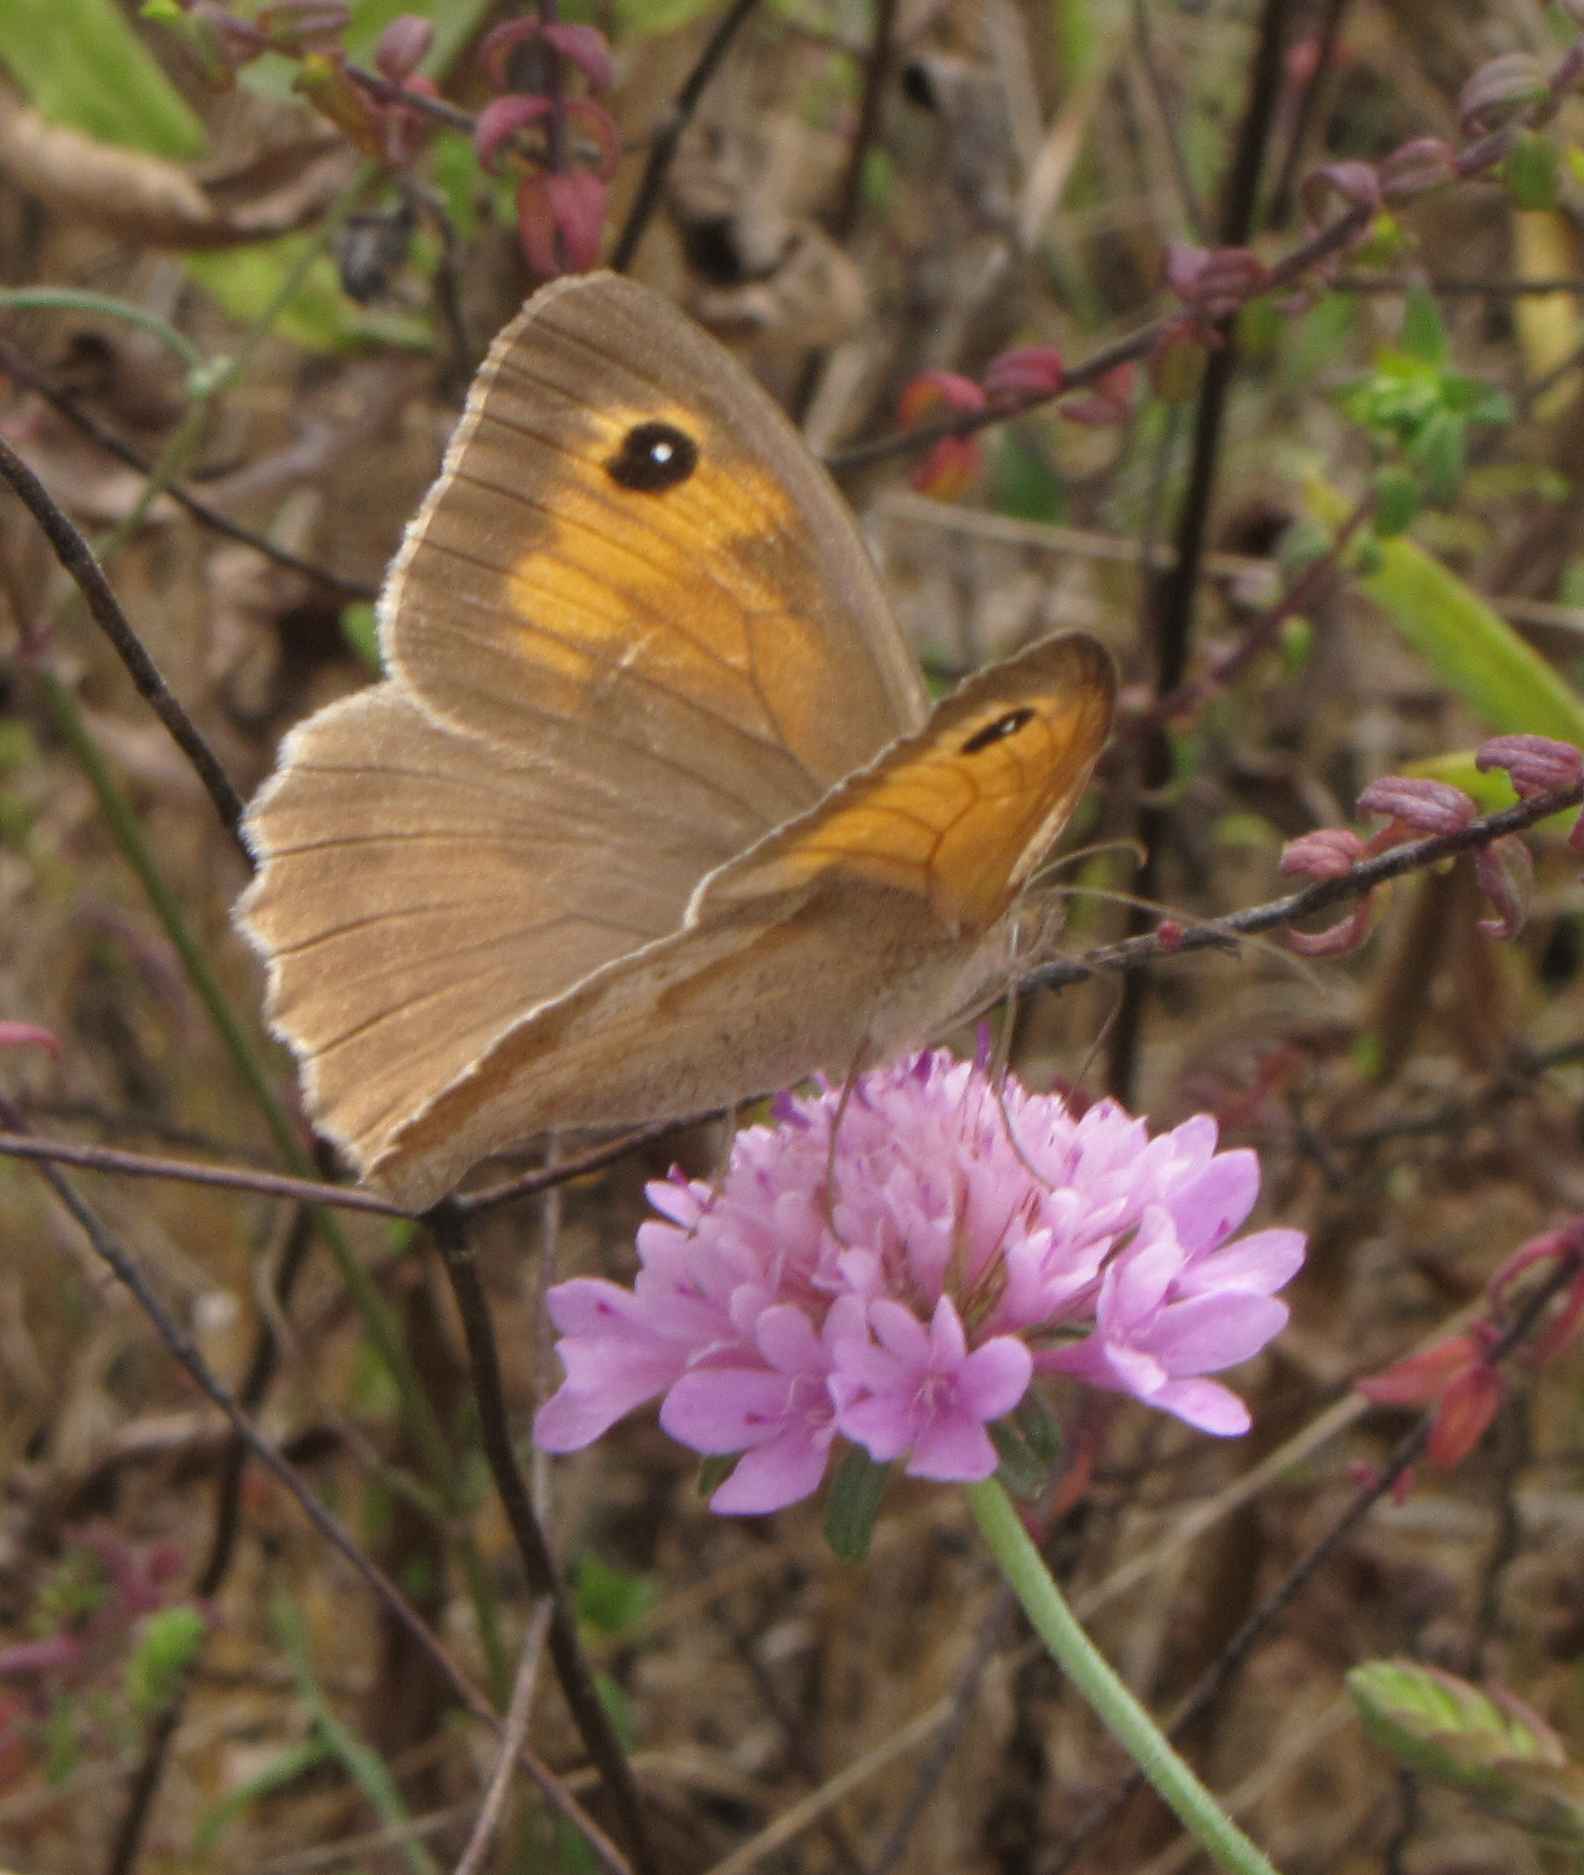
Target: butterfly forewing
(632, 564)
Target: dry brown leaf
(147, 200)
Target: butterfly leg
(862, 1058)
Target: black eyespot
(652, 458)
(998, 731)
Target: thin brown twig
(122, 1266)
(448, 1228)
(389, 91)
(514, 1735)
(1171, 596)
(77, 557)
(1450, 287)
(129, 1833)
(1327, 42)
(1286, 272)
(1170, 114)
(22, 369)
(563, 1170)
(89, 1158)
(1223, 933)
(877, 75)
(1303, 592)
(664, 146)
(1473, 159)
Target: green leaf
(360, 628)
(1423, 335)
(1028, 1445)
(1489, 1746)
(82, 64)
(1439, 451)
(319, 317)
(659, 16)
(1531, 172)
(279, 1774)
(611, 1600)
(1320, 337)
(167, 1645)
(854, 1503)
(1024, 482)
(1472, 649)
(1396, 502)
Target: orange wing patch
(961, 812)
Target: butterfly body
(651, 811)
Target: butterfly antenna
(1123, 844)
(1268, 947)
(848, 1084)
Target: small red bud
(403, 46)
(1028, 372)
(1417, 804)
(1505, 870)
(933, 391)
(1535, 764)
(949, 468)
(1500, 90)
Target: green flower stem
(1118, 1710)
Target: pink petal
(995, 1377)
(785, 1337)
(948, 1345)
(1205, 1404)
(900, 1332)
(606, 1379)
(1109, 1364)
(1261, 1262)
(726, 1409)
(953, 1449)
(1212, 1332)
(1140, 1278)
(772, 1476)
(880, 1423)
(1212, 1205)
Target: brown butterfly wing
(601, 693)
(419, 890)
(867, 923)
(632, 562)
(960, 812)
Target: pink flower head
(895, 1269)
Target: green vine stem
(1113, 1704)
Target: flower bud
(1490, 1746)
(1502, 89)
(1418, 804)
(403, 46)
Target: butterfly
(651, 810)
